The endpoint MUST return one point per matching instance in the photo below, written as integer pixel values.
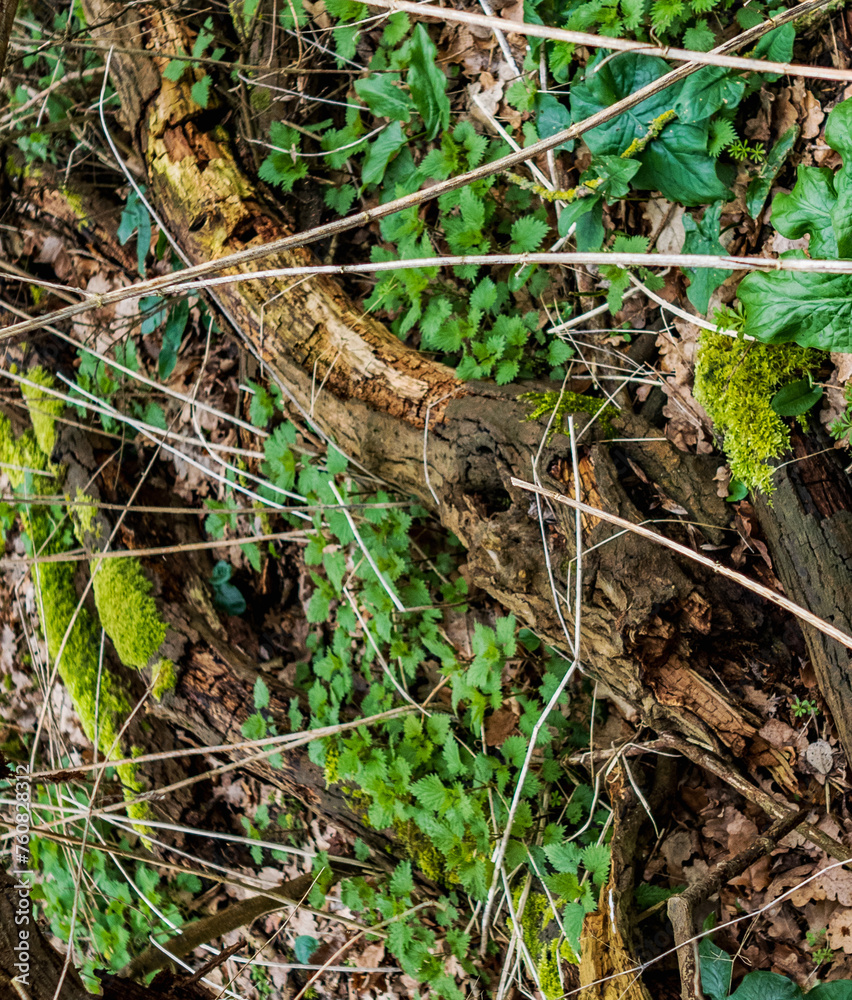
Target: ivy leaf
(427, 83)
(705, 92)
(808, 209)
(383, 98)
(616, 172)
(760, 186)
(716, 968)
(379, 153)
(178, 317)
(767, 986)
(702, 237)
(676, 161)
(528, 234)
(551, 116)
(304, 947)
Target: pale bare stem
(507, 138)
(363, 218)
(682, 313)
(277, 742)
(714, 58)
(51, 501)
(354, 529)
(758, 588)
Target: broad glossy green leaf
(708, 90)
(676, 161)
(760, 186)
(703, 237)
(380, 151)
(813, 310)
(716, 966)
(383, 98)
(837, 135)
(767, 986)
(807, 209)
(427, 83)
(552, 116)
(616, 173)
(840, 989)
(796, 398)
(777, 45)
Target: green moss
(423, 853)
(22, 453)
(164, 678)
(44, 409)
(84, 518)
(735, 382)
(127, 611)
(565, 403)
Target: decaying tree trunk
(654, 629)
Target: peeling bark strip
(650, 622)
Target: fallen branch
(681, 908)
(714, 58)
(757, 588)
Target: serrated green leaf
(261, 694)
(401, 882)
(430, 792)
(254, 728)
(528, 234)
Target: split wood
(681, 908)
(157, 284)
(758, 588)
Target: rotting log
(654, 628)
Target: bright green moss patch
(164, 678)
(22, 456)
(44, 408)
(734, 382)
(566, 403)
(84, 517)
(127, 611)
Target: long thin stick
(770, 595)
(714, 58)
(154, 285)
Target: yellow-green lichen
(44, 408)
(127, 611)
(735, 382)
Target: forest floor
(340, 597)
